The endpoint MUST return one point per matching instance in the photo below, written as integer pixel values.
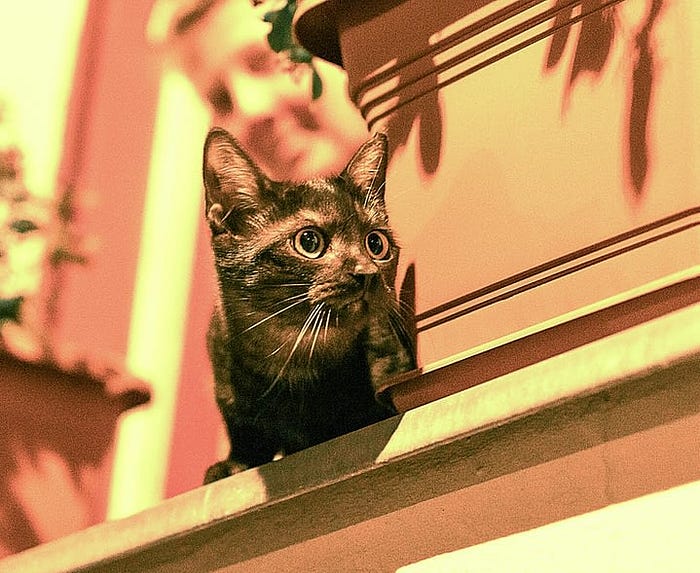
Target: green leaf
(316, 84)
(9, 308)
(270, 16)
(280, 37)
(299, 55)
(23, 226)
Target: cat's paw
(223, 469)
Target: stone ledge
(607, 413)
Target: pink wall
(106, 158)
(108, 140)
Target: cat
(307, 324)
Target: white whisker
(328, 318)
(291, 298)
(262, 321)
(316, 329)
(280, 347)
(300, 336)
(283, 285)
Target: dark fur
(299, 344)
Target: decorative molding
(558, 268)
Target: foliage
(19, 219)
(282, 41)
(36, 238)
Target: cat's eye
(310, 243)
(378, 245)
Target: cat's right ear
(367, 169)
(232, 182)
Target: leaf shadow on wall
(56, 437)
(428, 118)
(592, 54)
(34, 460)
(414, 78)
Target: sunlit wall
(38, 43)
(162, 289)
(137, 200)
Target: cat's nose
(363, 269)
(363, 282)
(363, 274)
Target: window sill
(610, 421)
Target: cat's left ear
(232, 182)
(367, 168)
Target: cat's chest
(308, 412)
(313, 364)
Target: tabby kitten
(307, 324)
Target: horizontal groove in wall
(559, 268)
(478, 44)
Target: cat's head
(321, 244)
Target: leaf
(316, 84)
(23, 226)
(9, 308)
(270, 16)
(280, 37)
(299, 55)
